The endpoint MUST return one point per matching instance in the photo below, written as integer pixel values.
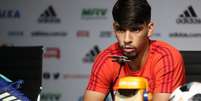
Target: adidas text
(41, 20)
(188, 21)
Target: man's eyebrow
(129, 28)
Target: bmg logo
(52, 52)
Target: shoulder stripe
(99, 62)
(168, 62)
(95, 67)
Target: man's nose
(127, 37)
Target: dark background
(23, 63)
(192, 61)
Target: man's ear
(114, 25)
(150, 29)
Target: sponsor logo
(93, 13)
(10, 13)
(90, 56)
(51, 96)
(189, 16)
(15, 33)
(52, 52)
(75, 76)
(156, 35)
(48, 34)
(105, 34)
(55, 76)
(184, 35)
(49, 16)
(83, 33)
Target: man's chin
(131, 56)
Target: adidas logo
(8, 97)
(90, 56)
(49, 16)
(189, 16)
(189, 12)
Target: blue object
(9, 90)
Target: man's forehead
(133, 26)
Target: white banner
(73, 32)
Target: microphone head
(120, 59)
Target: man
(161, 64)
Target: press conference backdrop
(73, 32)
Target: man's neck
(140, 60)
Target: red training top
(164, 69)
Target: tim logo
(52, 52)
(189, 16)
(90, 56)
(49, 16)
(15, 33)
(105, 34)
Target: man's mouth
(129, 50)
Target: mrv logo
(189, 16)
(93, 13)
(51, 96)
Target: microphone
(119, 58)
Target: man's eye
(120, 31)
(135, 30)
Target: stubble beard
(131, 55)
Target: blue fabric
(12, 88)
(145, 96)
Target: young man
(161, 64)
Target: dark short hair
(131, 13)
